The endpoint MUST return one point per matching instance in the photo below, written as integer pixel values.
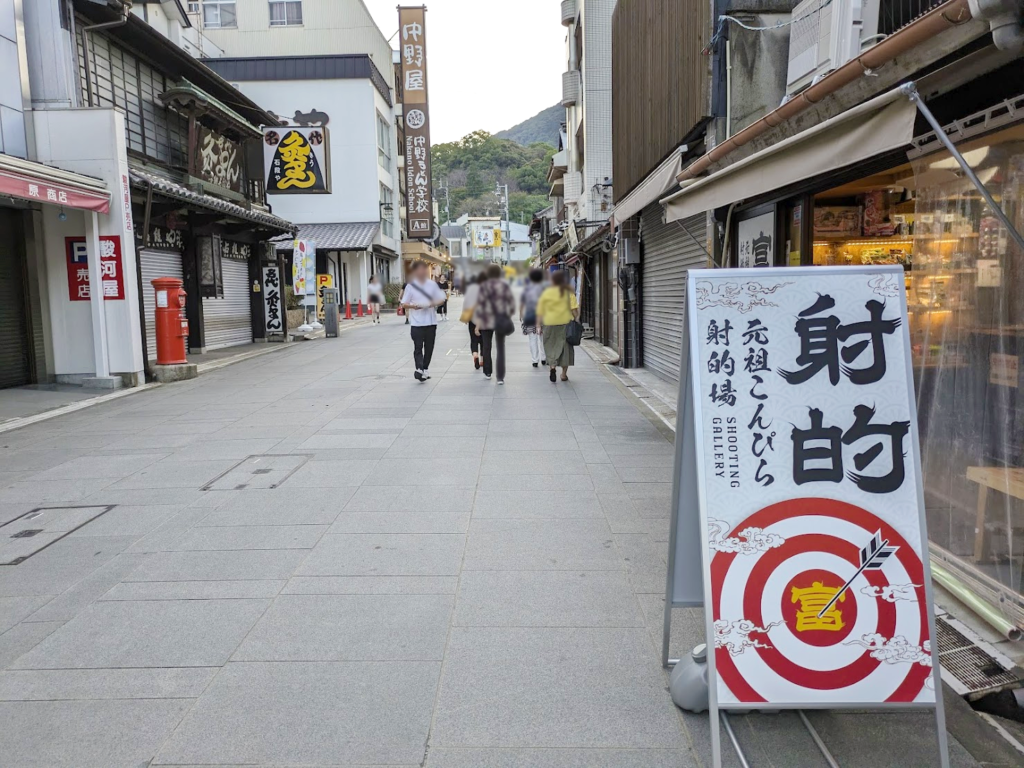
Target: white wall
(90, 142)
(12, 120)
(389, 179)
(355, 190)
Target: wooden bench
(1006, 480)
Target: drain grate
(265, 472)
(970, 665)
(34, 531)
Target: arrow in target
(872, 557)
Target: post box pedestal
(166, 374)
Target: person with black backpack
(420, 299)
(493, 319)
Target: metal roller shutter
(228, 320)
(155, 264)
(668, 252)
(15, 368)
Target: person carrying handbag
(556, 309)
(493, 319)
(528, 316)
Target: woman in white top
(375, 297)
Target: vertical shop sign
(272, 303)
(297, 159)
(419, 205)
(322, 281)
(303, 267)
(755, 241)
(801, 448)
(110, 268)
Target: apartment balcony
(568, 12)
(570, 87)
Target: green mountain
(470, 169)
(541, 127)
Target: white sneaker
(426, 374)
(501, 381)
(487, 376)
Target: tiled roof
(350, 236)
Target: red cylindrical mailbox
(171, 323)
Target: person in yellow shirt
(556, 307)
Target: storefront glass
(965, 294)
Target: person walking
(444, 285)
(420, 298)
(469, 298)
(528, 315)
(493, 317)
(556, 308)
(375, 297)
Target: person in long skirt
(556, 308)
(528, 315)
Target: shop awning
(417, 249)
(343, 236)
(880, 125)
(40, 183)
(556, 248)
(177, 191)
(660, 182)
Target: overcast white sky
(492, 63)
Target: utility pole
(501, 192)
(447, 200)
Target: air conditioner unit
(825, 35)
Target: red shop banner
(30, 188)
(110, 268)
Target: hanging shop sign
(231, 249)
(322, 281)
(303, 267)
(297, 160)
(798, 471)
(218, 160)
(165, 239)
(111, 269)
(419, 204)
(273, 309)
(755, 241)
(483, 237)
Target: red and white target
(771, 576)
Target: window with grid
(219, 13)
(123, 81)
(386, 219)
(383, 143)
(285, 13)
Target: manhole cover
(258, 472)
(34, 531)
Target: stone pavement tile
(426, 472)
(417, 447)
(60, 566)
(526, 425)
(606, 479)
(913, 732)
(225, 450)
(644, 460)
(529, 463)
(21, 639)
(688, 629)
(354, 453)
(195, 590)
(14, 609)
(174, 474)
(593, 453)
(373, 425)
(350, 628)
(458, 401)
(149, 442)
(438, 415)
(650, 448)
(410, 498)
(308, 713)
(220, 566)
(163, 538)
(561, 440)
(129, 521)
(654, 491)
(94, 684)
(161, 633)
(454, 432)
(10, 511)
(556, 688)
(69, 604)
(385, 554)
(37, 460)
(418, 521)
(646, 474)
(331, 474)
(86, 734)
(541, 545)
(532, 504)
(645, 561)
(279, 506)
(146, 497)
(86, 467)
(564, 482)
(372, 585)
(653, 507)
(209, 539)
(53, 492)
(189, 427)
(322, 441)
(546, 599)
(560, 758)
(620, 513)
(541, 410)
(236, 431)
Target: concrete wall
(90, 142)
(13, 140)
(758, 63)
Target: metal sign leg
(817, 740)
(716, 741)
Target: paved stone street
(309, 558)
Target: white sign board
(273, 305)
(304, 268)
(755, 241)
(803, 456)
